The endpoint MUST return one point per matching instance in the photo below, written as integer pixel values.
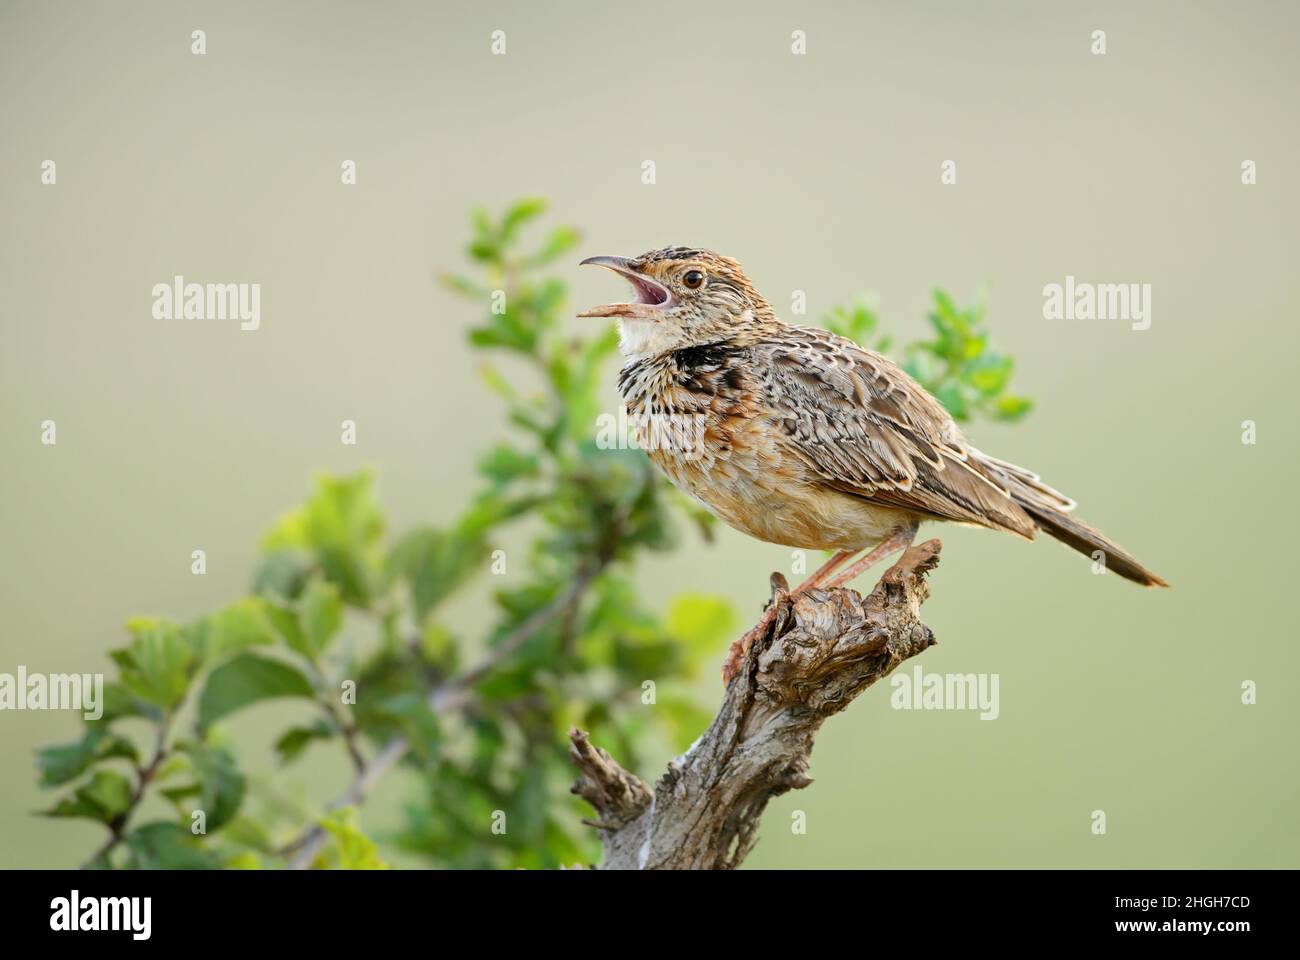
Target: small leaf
(484, 251)
(245, 680)
(68, 761)
(167, 846)
(1011, 407)
(354, 849)
(296, 739)
(158, 664)
(282, 573)
(240, 625)
(180, 796)
(950, 395)
(520, 212)
(120, 702)
(285, 622)
(504, 463)
(221, 785)
(321, 616)
(341, 525)
(104, 798)
(435, 562)
(246, 832)
(989, 374)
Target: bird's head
(683, 297)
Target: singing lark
(807, 439)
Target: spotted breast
(703, 416)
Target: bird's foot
(780, 589)
(824, 572)
(901, 540)
(736, 654)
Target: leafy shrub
(350, 621)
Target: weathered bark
(820, 652)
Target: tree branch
(144, 776)
(821, 651)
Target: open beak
(651, 297)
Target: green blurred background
(820, 173)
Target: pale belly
(761, 497)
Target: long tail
(1049, 510)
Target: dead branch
(821, 651)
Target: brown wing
(866, 428)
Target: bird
(800, 437)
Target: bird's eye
(693, 278)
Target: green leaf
(989, 374)
(507, 331)
(119, 702)
(950, 395)
(296, 739)
(221, 785)
(158, 664)
(247, 832)
(504, 463)
(287, 627)
(485, 251)
(167, 846)
(60, 764)
(435, 562)
(240, 625)
(351, 571)
(341, 525)
(180, 797)
(321, 614)
(355, 851)
(438, 646)
(282, 573)
(245, 680)
(1011, 407)
(520, 212)
(104, 798)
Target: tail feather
(1047, 509)
(1077, 534)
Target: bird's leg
(821, 573)
(780, 591)
(900, 540)
(731, 666)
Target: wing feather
(864, 427)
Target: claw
(736, 654)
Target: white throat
(638, 338)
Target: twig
(445, 698)
(351, 741)
(144, 777)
